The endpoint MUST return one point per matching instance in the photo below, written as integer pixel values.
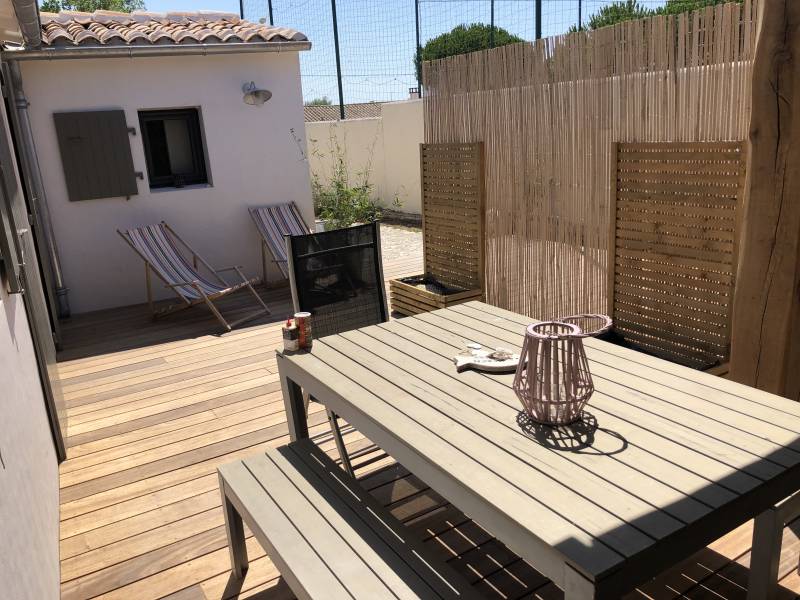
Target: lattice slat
(673, 255)
(452, 213)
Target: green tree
(323, 101)
(674, 7)
(628, 10)
(462, 39)
(92, 5)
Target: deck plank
(155, 413)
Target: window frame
(199, 175)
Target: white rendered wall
(391, 142)
(403, 132)
(29, 564)
(256, 156)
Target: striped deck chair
(157, 245)
(273, 223)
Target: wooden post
(766, 312)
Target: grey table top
(666, 460)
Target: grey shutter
(96, 154)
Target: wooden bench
(327, 536)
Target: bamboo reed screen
(673, 254)
(452, 213)
(549, 114)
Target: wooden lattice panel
(452, 213)
(674, 248)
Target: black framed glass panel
(173, 147)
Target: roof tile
(105, 27)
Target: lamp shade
(553, 380)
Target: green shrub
(619, 12)
(674, 7)
(462, 39)
(342, 199)
(628, 10)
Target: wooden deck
(155, 407)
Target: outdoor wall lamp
(253, 96)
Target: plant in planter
(341, 198)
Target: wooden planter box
(452, 231)
(420, 293)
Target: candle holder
(553, 380)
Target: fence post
(269, 7)
(491, 27)
(338, 60)
(765, 330)
(419, 49)
(538, 19)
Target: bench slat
(329, 537)
(287, 549)
(444, 581)
(333, 541)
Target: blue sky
(377, 37)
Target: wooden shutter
(96, 154)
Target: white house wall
(389, 144)
(256, 156)
(29, 567)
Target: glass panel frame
(190, 117)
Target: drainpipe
(27, 13)
(33, 180)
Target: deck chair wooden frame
(202, 295)
(277, 243)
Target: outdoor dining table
(664, 461)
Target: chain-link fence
(377, 39)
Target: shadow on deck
(154, 407)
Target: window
(173, 147)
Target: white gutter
(72, 52)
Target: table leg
(333, 419)
(576, 586)
(765, 556)
(235, 530)
(296, 409)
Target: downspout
(27, 13)
(33, 180)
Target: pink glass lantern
(553, 381)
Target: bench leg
(235, 530)
(765, 556)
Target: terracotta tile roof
(140, 28)
(330, 112)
